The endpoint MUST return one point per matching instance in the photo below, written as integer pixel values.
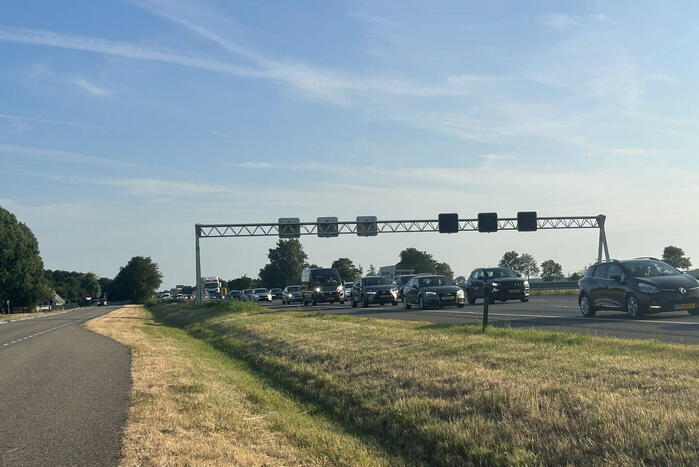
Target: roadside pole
(486, 304)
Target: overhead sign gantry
(369, 226)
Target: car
(638, 286)
(399, 281)
(499, 283)
(166, 295)
(368, 290)
(322, 285)
(292, 294)
(179, 296)
(277, 293)
(348, 288)
(248, 295)
(101, 302)
(436, 291)
(262, 295)
(235, 295)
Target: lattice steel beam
(390, 226)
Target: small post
(8, 308)
(199, 298)
(486, 304)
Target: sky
(124, 123)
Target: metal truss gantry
(387, 226)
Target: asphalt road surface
(548, 313)
(64, 391)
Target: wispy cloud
(251, 165)
(560, 20)
(91, 88)
(158, 187)
(11, 150)
(23, 118)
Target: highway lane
(64, 391)
(548, 313)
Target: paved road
(64, 391)
(550, 313)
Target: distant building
(389, 272)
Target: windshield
(649, 268)
(325, 279)
(295, 288)
(375, 281)
(349, 284)
(403, 279)
(260, 290)
(434, 281)
(499, 272)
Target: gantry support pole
(199, 292)
(603, 248)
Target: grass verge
(451, 395)
(548, 292)
(193, 405)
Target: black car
(432, 291)
(501, 283)
(373, 289)
(277, 294)
(235, 295)
(291, 294)
(400, 281)
(637, 286)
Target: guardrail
(553, 285)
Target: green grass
(452, 395)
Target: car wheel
(406, 305)
(365, 302)
(314, 301)
(634, 308)
(342, 302)
(471, 297)
(420, 303)
(305, 302)
(586, 308)
(382, 303)
(524, 300)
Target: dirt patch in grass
(194, 405)
(451, 395)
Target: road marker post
(486, 304)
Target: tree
(675, 256)
(527, 265)
(105, 284)
(551, 271)
(242, 283)
(137, 281)
(510, 260)
(443, 269)
(418, 261)
(348, 271)
(74, 286)
(22, 280)
(286, 262)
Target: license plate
(685, 306)
(515, 291)
(448, 297)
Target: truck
(212, 287)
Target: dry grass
(540, 292)
(192, 405)
(451, 395)
(16, 316)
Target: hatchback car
(499, 283)
(262, 295)
(637, 286)
(292, 294)
(373, 289)
(432, 291)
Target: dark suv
(501, 283)
(637, 286)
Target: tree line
(25, 283)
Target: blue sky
(122, 123)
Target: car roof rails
(647, 257)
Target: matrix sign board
(289, 227)
(327, 227)
(366, 226)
